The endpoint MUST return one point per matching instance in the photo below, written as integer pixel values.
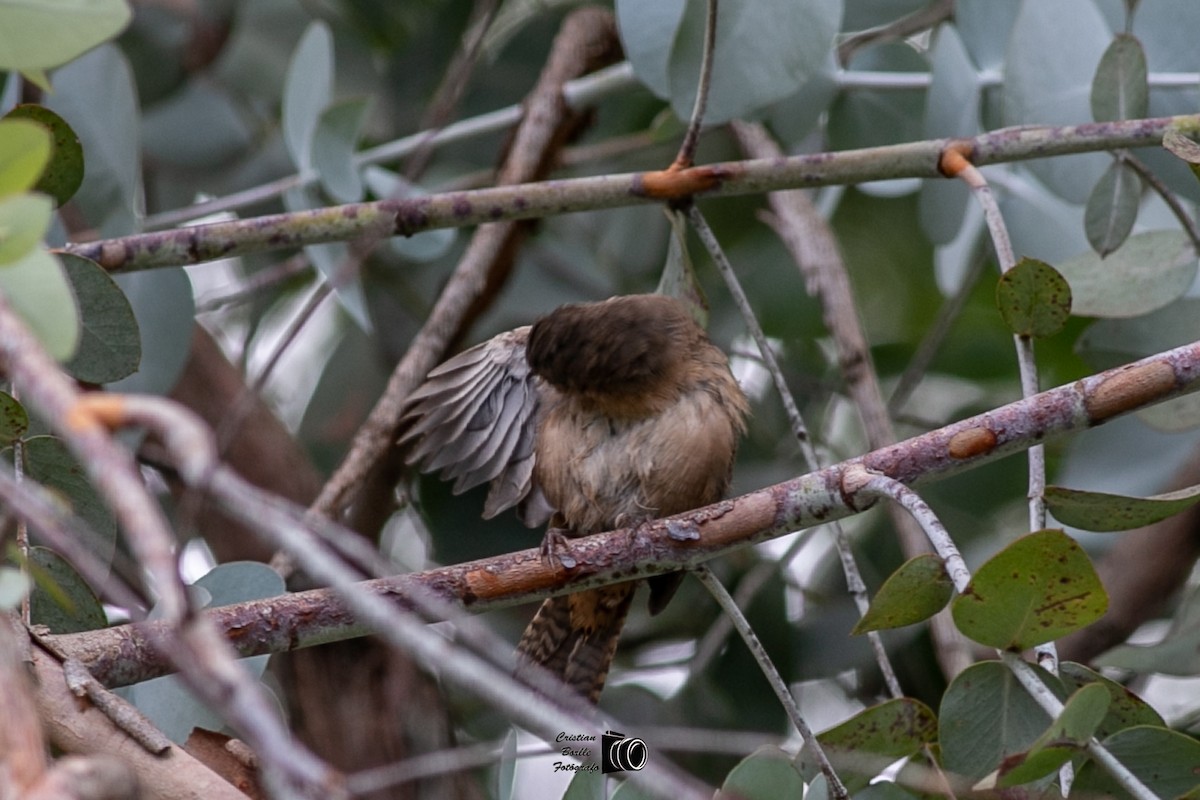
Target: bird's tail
(575, 636)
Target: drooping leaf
(1033, 299)
(1164, 760)
(951, 109)
(915, 592)
(307, 91)
(1039, 588)
(1112, 208)
(986, 716)
(38, 290)
(24, 153)
(1097, 511)
(1125, 709)
(1148, 271)
(863, 745)
(679, 273)
(1047, 76)
(36, 36)
(110, 345)
(61, 599)
(334, 142)
(48, 462)
(1120, 89)
(1080, 718)
(97, 94)
(1176, 653)
(330, 260)
(24, 219)
(14, 420)
(664, 41)
(64, 173)
(1184, 148)
(14, 585)
(172, 708)
(766, 773)
(163, 305)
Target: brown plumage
(604, 415)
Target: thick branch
(122, 654)
(527, 201)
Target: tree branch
(406, 217)
(318, 616)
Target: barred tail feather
(575, 637)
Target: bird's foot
(555, 548)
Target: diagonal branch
(313, 617)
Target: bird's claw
(555, 547)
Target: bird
(598, 416)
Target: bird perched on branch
(598, 416)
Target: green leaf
(791, 41)
(1185, 148)
(307, 91)
(162, 303)
(170, 705)
(865, 744)
(1097, 511)
(586, 785)
(334, 142)
(678, 278)
(951, 109)
(48, 33)
(98, 95)
(14, 420)
(24, 219)
(329, 260)
(765, 774)
(1053, 51)
(1177, 653)
(915, 592)
(48, 462)
(1112, 208)
(37, 288)
(1066, 736)
(62, 176)
(240, 582)
(1125, 709)
(986, 716)
(61, 599)
(1164, 760)
(14, 585)
(1148, 271)
(24, 153)
(1039, 588)
(1033, 298)
(110, 346)
(1120, 89)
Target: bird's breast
(602, 472)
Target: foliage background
(198, 100)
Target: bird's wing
(474, 420)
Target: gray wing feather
(474, 420)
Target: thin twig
(854, 581)
(731, 609)
(1169, 197)
(691, 138)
